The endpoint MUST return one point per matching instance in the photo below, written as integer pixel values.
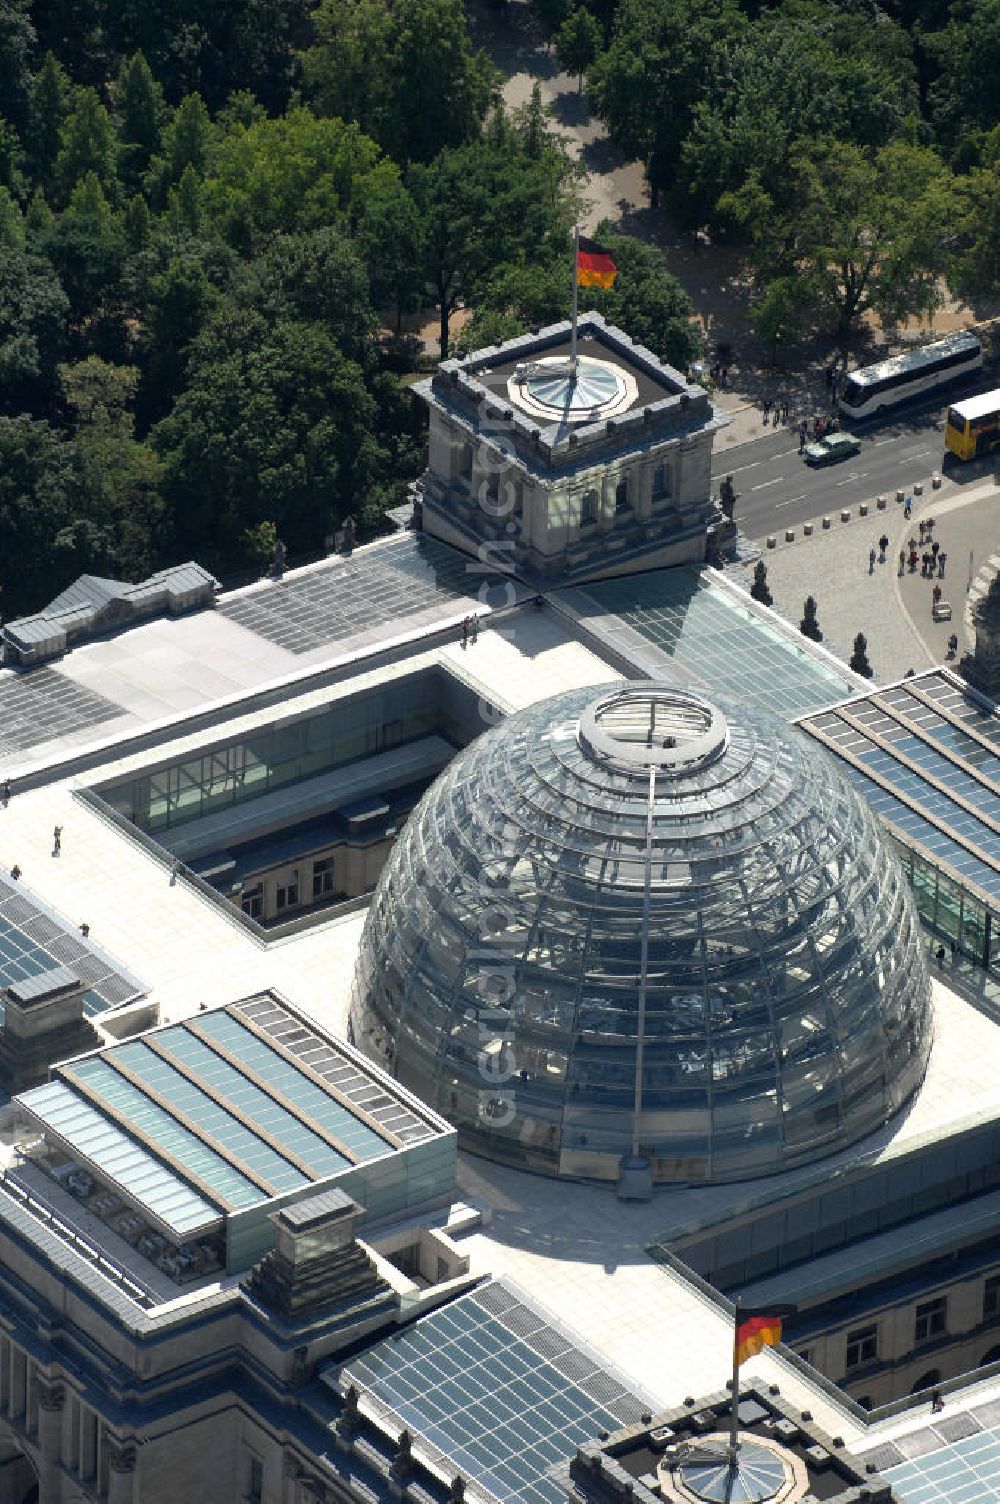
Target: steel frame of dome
(685, 938)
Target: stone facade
(552, 501)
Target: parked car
(832, 447)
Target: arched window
(588, 507)
(927, 1380)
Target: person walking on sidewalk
(883, 544)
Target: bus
(973, 426)
(872, 388)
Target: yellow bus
(973, 426)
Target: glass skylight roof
(954, 1460)
(724, 644)
(927, 758)
(499, 1391)
(224, 1113)
(93, 1136)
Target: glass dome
(630, 922)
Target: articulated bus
(973, 426)
(872, 388)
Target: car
(834, 446)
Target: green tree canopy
(578, 42)
(17, 47)
(140, 110)
(656, 69)
(867, 230)
(295, 173)
(33, 310)
(37, 486)
(275, 424)
(404, 72)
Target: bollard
(918, 489)
(935, 481)
(900, 495)
(789, 535)
(880, 503)
(772, 542)
(845, 516)
(807, 529)
(826, 522)
(863, 509)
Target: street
(777, 489)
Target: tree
(275, 424)
(655, 70)
(186, 140)
(317, 278)
(33, 309)
(17, 46)
(958, 103)
(578, 42)
(404, 72)
(798, 74)
(975, 268)
(140, 109)
(87, 145)
(809, 626)
(37, 482)
(296, 173)
(47, 111)
(867, 230)
(87, 250)
(779, 315)
(859, 657)
(117, 506)
(760, 590)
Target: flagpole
(734, 1419)
(576, 299)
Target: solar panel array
(720, 642)
(963, 1471)
(34, 940)
(927, 758)
(323, 1056)
(42, 704)
(408, 580)
(499, 1391)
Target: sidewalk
(892, 610)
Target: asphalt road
(777, 489)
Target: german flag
(594, 266)
(757, 1329)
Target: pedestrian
(907, 508)
(57, 840)
(767, 410)
(829, 376)
(954, 951)
(803, 434)
(475, 629)
(923, 529)
(871, 562)
(942, 556)
(924, 558)
(883, 544)
(937, 1402)
(15, 872)
(902, 561)
(935, 550)
(85, 930)
(913, 561)
(936, 594)
(777, 414)
(784, 411)
(5, 792)
(465, 631)
(724, 377)
(939, 955)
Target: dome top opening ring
(636, 729)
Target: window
(803, 1353)
(931, 1319)
(588, 507)
(621, 496)
(323, 877)
(252, 902)
(991, 1298)
(465, 462)
(862, 1346)
(661, 482)
(255, 1480)
(288, 891)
